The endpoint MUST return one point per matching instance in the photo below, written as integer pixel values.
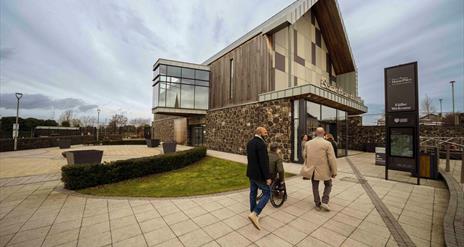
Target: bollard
(447, 169)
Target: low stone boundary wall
(366, 138)
(42, 142)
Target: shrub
(88, 175)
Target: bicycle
(278, 193)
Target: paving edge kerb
(453, 223)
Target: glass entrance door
(309, 115)
(197, 135)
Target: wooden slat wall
(252, 65)
(332, 31)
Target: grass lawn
(209, 175)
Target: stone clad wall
(163, 127)
(364, 138)
(230, 129)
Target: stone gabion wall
(364, 138)
(230, 129)
(163, 128)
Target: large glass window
(313, 116)
(162, 69)
(178, 87)
(328, 113)
(174, 79)
(201, 83)
(332, 120)
(162, 94)
(201, 97)
(156, 72)
(202, 75)
(156, 81)
(188, 81)
(188, 73)
(172, 95)
(313, 110)
(187, 96)
(155, 95)
(342, 133)
(174, 71)
(296, 142)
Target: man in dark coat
(258, 173)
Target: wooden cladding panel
(331, 26)
(252, 64)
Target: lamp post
(16, 126)
(98, 122)
(441, 109)
(452, 96)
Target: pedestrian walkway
(37, 214)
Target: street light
(16, 126)
(98, 122)
(441, 109)
(452, 96)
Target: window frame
(165, 79)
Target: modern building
(291, 74)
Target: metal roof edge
(180, 64)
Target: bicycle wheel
(278, 194)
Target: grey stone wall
(364, 138)
(230, 129)
(163, 127)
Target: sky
(84, 54)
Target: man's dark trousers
(325, 195)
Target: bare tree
(75, 122)
(118, 120)
(140, 122)
(66, 116)
(427, 105)
(88, 121)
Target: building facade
(291, 74)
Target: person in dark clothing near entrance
(329, 137)
(258, 173)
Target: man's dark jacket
(258, 162)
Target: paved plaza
(36, 211)
(50, 160)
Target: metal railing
(447, 145)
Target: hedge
(88, 175)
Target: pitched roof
(335, 30)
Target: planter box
(64, 143)
(169, 147)
(83, 157)
(152, 143)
